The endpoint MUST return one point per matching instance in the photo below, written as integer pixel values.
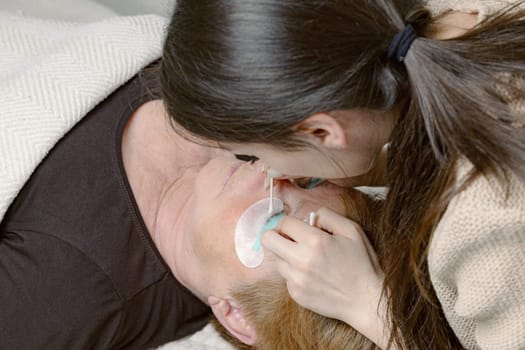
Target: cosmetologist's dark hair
(250, 70)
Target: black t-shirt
(78, 269)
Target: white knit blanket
(53, 73)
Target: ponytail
(461, 88)
(464, 103)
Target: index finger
(279, 245)
(336, 224)
(296, 229)
(341, 225)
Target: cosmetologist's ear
(232, 318)
(328, 131)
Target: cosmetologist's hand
(331, 269)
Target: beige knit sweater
(477, 255)
(482, 7)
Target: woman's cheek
(250, 185)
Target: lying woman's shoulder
(52, 295)
(476, 263)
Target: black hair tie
(402, 42)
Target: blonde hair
(280, 323)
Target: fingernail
(312, 218)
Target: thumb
(336, 224)
(339, 225)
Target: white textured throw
(53, 73)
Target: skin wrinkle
(163, 197)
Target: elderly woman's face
(224, 189)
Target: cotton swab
(270, 206)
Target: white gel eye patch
(251, 225)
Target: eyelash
(247, 158)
